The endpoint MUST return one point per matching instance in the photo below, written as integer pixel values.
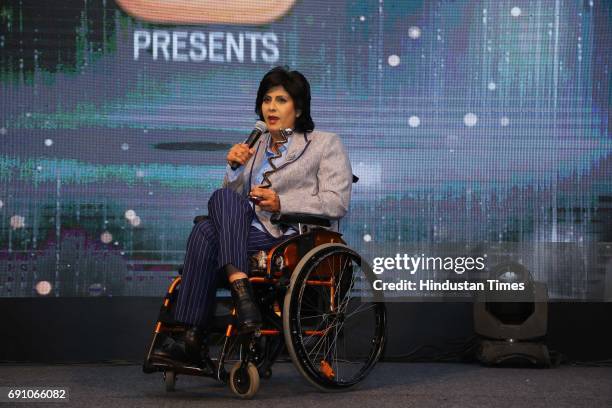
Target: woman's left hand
(265, 198)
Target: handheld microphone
(260, 128)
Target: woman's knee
(205, 228)
(225, 197)
(222, 194)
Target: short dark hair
(297, 86)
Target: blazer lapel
(258, 157)
(296, 148)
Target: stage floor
(390, 385)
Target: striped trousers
(226, 237)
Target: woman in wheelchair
(291, 169)
(298, 171)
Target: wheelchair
(316, 299)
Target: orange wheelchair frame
(310, 290)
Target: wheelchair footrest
(163, 364)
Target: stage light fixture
(512, 323)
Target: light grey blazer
(316, 177)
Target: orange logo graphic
(207, 11)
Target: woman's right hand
(239, 154)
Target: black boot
(186, 350)
(248, 315)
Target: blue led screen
(466, 121)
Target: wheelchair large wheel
(333, 321)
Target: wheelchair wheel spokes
(334, 337)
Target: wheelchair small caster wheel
(170, 380)
(244, 381)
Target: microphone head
(261, 126)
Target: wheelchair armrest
(300, 218)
